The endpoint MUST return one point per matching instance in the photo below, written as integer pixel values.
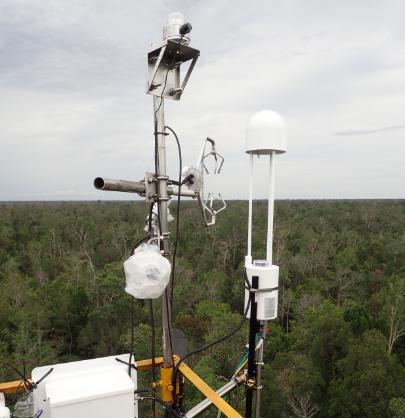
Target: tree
(397, 407)
(302, 405)
(330, 340)
(359, 319)
(368, 379)
(300, 383)
(395, 310)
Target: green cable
(219, 411)
(236, 370)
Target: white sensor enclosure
(99, 388)
(267, 294)
(266, 132)
(265, 135)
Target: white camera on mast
(265, 135)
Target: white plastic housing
(267, 301)
(266, 132)
(98, 388)
(4, 411)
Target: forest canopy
(337, 348)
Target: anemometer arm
(198, 182)
(213, 152)
(202, 157)
(203, 208)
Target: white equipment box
(267, 294)
(99, 388)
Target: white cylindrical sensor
(266, 295)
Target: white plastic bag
(147, 273)
(27, 407)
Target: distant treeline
(337, 348)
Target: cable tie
(127, 364)
(44, 376)
(270, 289)
(161, 133)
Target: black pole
(252, 344)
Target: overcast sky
(73, 104)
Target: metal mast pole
(159, 123)
(259, 366)
(252, 346)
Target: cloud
(370, 131)
(74, 105)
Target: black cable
(152, 323)
(156, 171)
(169, 326)
(25, 378)
(137, 244)
(157, 399)
(150, 216)
(132, 336)
(246, 278)
(237, 397)
(136, 391)
(178, 218)
(165, 405)
(156, 149)
(176, 369)
(189, 179)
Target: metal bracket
(250, 383)
(150, 187)
(163, 63)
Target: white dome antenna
(265, 135)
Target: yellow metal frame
(11, 387)
(195, 380)
(208, 392)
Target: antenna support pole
(249, 254)
(271, 209)
(159, 119)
